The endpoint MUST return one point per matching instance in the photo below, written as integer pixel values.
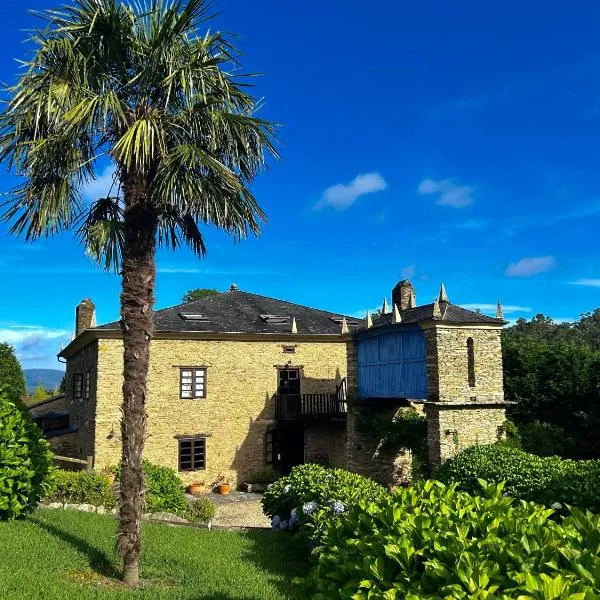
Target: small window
(194, 317)
(86, 385)
(271, 448)
(192, 454)
(471, 361)
(78, 385)
(192, 382)
(289, 349)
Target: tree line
(552, 372)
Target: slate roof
(451, 313)
(236, 311)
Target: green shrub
(312, 494)
(25, 459)
(164, 490)
(202, 510)
(266, 475)
(81, 487)
(431, 542)
(541, 479)
(545, 439)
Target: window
(289, 349)
(192, 454)
(272, 448)
(192, 382)
(78, 385)
(86, 386)
(471, 361)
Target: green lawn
(55, 554)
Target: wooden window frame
(78, 386)
(87, 385)
(194, 383)
(193, 465)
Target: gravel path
(239, 509)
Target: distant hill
(49, 378)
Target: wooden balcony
(299, 407)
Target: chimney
(403, 295)
(85, 316)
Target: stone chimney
(85, 316)
(403, 295)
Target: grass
(63, 554)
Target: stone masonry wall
(447, 367)
(82, 411)
(326, 439)
(238, 409)
(366, 454)
(451, 429)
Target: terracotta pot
(195, 489)
(223, 488)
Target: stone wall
(366, 454)
(447, 364)
(238, 409)
(81, 411)
(326, 439)
(452, 427)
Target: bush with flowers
(311, 495)
(432, 541)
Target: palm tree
(136, 84)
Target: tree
(139, 84)
(198, 294)
(11, 374)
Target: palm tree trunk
(137, 300)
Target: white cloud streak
(448, 193)
(101, 187)
(586, 282)
(507, 308)
(341, 196)
(529, 266)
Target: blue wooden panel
(392, 363)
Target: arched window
(471, 361)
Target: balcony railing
(292, 407)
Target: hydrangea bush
(25, 459)
(547, 480)
(433, 541)
(311, 495)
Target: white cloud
(448, 192)
(24, 334)
(526, 267)
(342, 196)
(587, 282)
(507, 308)
(408, 271)
(100, 187)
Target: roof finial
(499, 314)
(345, 326)
(384, 308)
(396, 315)
(437, 313)
(443, 294)
(294, 327)
(369, 320)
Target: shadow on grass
(281, 554)
(98, 560)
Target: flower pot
(195, 489)
(223, 488)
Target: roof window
(193, 317)
(275, 319)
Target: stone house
(238, 381)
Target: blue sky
(433, 140)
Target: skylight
(350, 322)
(275, 319)
(193, 317)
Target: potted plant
(196, 488)
(221, 485)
